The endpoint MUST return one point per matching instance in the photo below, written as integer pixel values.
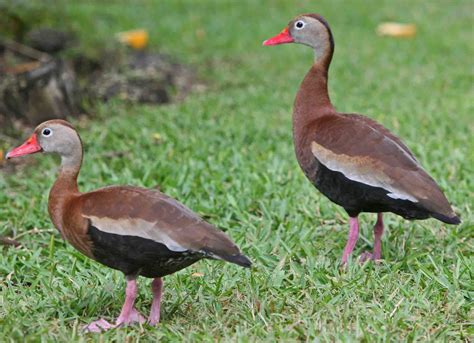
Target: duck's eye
(299, 24)
(47, 132)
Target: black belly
(357, 197)
(138, 256)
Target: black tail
(446, 219)
(240, 259)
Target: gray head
(308, 29)
(56, 136)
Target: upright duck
(353, 160)
(135, 230)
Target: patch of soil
(138, 76)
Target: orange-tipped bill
(281, 38)
(31, 146)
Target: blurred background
(182, 95)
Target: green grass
(228, 155)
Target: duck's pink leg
(128, 315)
(352, 239)
(157, 289)
(378, 232)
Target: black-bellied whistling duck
(135, 230)
(351, 159)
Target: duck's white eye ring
(300, 24)
(47, 132)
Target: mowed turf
(228, 154)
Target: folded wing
(152, 215)
(366, 152)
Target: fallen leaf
(9, 241)
(157, 138)
(397, 30)
(197, 274)
(137, 39)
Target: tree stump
(34, 86)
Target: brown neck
(65, 187)
(312, 100)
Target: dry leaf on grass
(157, 138)
(397, 30)
(137, 39)
(9, 241)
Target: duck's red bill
(31, 146)
(281, 38)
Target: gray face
(311, 32)
(57, 138)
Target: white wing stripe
(135, 227)
(331, 161)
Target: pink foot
(98, 326)
(134, 317)
(103, 325)
(367, 256)
(157, 288)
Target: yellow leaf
(397, 30)
(157, 137)
(137, 39)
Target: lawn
(227, 153)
